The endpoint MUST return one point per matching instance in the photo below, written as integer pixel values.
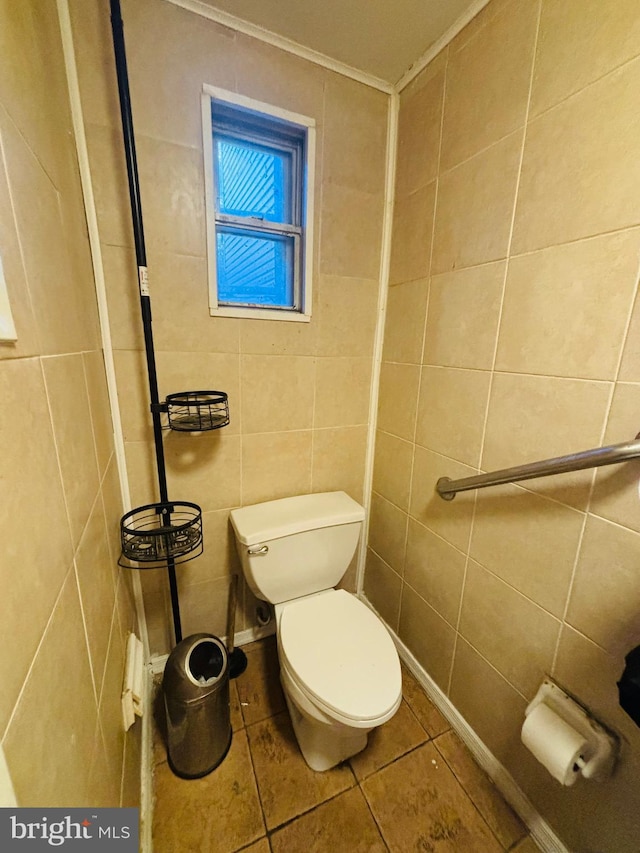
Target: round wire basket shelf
(197, 411)
(152, 534)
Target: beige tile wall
(66, 607)
(298, 393)
(511, 336)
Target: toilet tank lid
(284, 517)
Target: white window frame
(303, 313)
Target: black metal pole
(141, 259)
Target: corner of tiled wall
(510, 337)
(67, 609)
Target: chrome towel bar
(594, 458)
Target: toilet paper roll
(554, 743)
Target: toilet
(339, 667)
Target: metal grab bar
(594, 458)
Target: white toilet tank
(296, 546)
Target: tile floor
(415, 787)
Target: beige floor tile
(258, 687)
(504, 824)
(288, 787)
(326, 811)
(237, 720)
(435, 815)
(219, 813)
(396, 737)
(426, 712)
(344, 823)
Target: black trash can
(196, 700)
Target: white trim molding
(383, 290)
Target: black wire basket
(152, 534)
(197, 411)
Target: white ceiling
(382, 38)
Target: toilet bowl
(340, 673)
(339, 667)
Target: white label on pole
(143, 275)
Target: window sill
(260, 314)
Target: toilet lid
(341, 654)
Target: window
(258, 162)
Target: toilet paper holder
(601, 749)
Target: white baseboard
(541, 832)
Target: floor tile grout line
(255, 776)
(272, 830)
(313, 808)
(429, 739)
(357, 781)
(373, 817)
(459, 783)
(354, 782)
(393, 761)
(470, 796)
(415, 716)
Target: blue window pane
(252, 180)
(255, 269)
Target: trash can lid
(196, 667)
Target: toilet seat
(340, 655)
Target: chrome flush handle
(253, 552)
